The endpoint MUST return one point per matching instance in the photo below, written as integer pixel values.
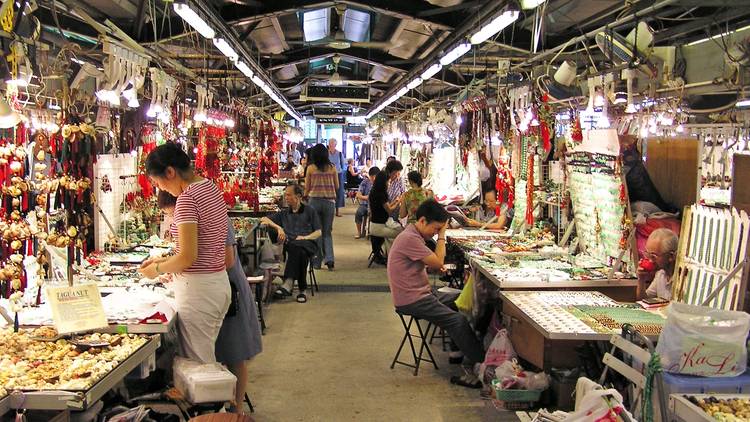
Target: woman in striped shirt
(201, 285)
(321, 184)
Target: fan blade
(374, 44)
(322, 41)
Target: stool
(222, 417)
(259, 283)
(377, 245)
(423, 344)
(249, 403)
(443, 336)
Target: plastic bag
(599, 406)
(465, 300)
(703, 341)
(501, 349)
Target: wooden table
(619, 289)
(543, 333)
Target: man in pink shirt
(412, 294)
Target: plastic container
(204, 383)
(528, 396)
(676, 383)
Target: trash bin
(563, 386)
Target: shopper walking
(201, 284)
(337, 159)
(321, 184)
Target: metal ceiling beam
(371, 57)
(625, 19)
(466, 27)
(403, 9)
(700, 23)
(450, 9)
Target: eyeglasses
(653, 256)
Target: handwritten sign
(76, 308)
(707, 358)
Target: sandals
(466, 381)
(282, 291)
(301, 298)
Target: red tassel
(545, 136)
(530, 192)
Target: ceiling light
(431, 71)
(454, 54)
(225, 48)
(415, 83)
(495, 26)
(194, 20)
(742, 103)
(8, 117)
(530, 4)
(244, 68)
(723, 34)
(621, 98)
(401, 92)
(258, 81)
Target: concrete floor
(328, 359)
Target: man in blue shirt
(360, 217)
(339, 163)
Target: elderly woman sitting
(297, 227)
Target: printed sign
(76, 308)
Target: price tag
(76, 308)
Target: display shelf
(81, 400)
(546, 312)
(554, 284)
(682, 410)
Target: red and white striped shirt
(203, 204)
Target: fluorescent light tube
(415, 83)
(194, 20)
(454, 54)
(258, 81)
(225, 48)
(745, 102)
(244, 68)
(401, 92)
(431, 71)
(495, 26)
(530, 4)
(723, 34)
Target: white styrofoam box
(204, 383)
(114, 166)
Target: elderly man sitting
(298, 227)
(658, 265)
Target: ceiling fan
(339, 40)
(336, 79)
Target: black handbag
(235, 300)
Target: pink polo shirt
(407, 274)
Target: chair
(259, 283)
(637, 351)
(422, 336)
(377, 245)
(439, 333)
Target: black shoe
(329, 265)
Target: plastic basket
(515, 395)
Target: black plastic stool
(424, 344)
